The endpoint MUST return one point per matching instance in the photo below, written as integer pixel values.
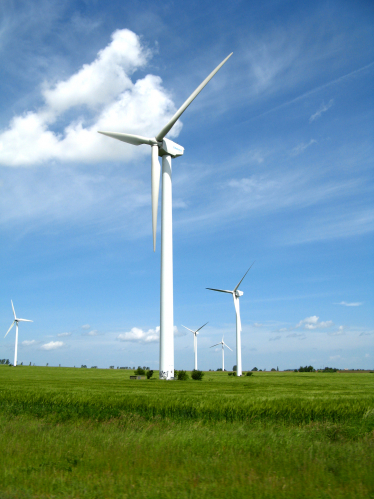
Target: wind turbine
(16, 321)
(236, 294)
(166, 149)
(195, 333)
(223, 351)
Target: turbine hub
(238, 293)
(170, 148)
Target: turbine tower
(16, 321)
(195, 333)
(166, 149)
(223, 351)
(236, 295)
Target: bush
(232, 374)
(234, 368)
(272, 369)
(219, 369)
(182, 375)
(149, 374)
(306, 369)
(140, 371)
(249, 373)
(197, 375)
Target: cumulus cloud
(313, 323)
(323, 108)
(27, 343)
(64, 334)
(353, 304)
(52, 345)
(100, 96)
(140, 336)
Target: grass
(82, 433)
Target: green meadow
(91, 433)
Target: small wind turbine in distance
(195, 333)
(236, 294)
(167, 149)
(223, 351)
(16, 321)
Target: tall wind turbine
(236, 294)
(166, 149)
(16, 321)
(195, 333)
(223, 351)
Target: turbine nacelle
(238, 293)
(170, 148)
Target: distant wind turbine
(16, 321)
(195, 333)
(223, 351)
(167, 149)
(236, 294)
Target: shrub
(196, 374)
(149, 374)
(139, 372)
(219, 369)
(249, 373)
(182, 375)
(234, 368)
(306, 369)
(272, 369)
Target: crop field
(91, 433)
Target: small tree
(140, 371)
(273, 369)
(149, 374)
(255, 369)
(219, 369)
(196, 374)
(234, 368)
(182, 376)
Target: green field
(89, 433)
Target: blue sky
(277, 169)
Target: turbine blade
(215, 345)
(220, 290)
(184, 106)
(135, 140)
(237, 309)
(243, 277)
(201, 327)
(227, 347)
(24, 320)
(155, 174)
(14, 312)
(10, 328)
(188, 329)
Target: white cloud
(324, 107)
(52, 345)
(64, 334)
(275, 338)
(353, 304)
(140, 336)
(301, 336)
(86, 326)
(339, 332)
(27, 343)
(102, 97)
(313, 323)
(301, 147)
(92, 333)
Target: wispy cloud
(275, 338)
(351, 304)
(28, 343)
(86, 326)
(324, 107)
(300, 148)
(52, 345)
(64, 334)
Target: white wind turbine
(167, 149)
(236, 294)
(223, 351)
(16, 321)
(195, 333)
